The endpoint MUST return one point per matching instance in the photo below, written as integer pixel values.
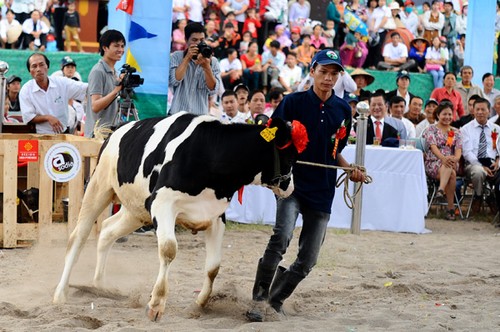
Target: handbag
(432, 66)
(358, 53)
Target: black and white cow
(183, 170)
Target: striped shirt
(191, 92)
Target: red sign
(27, 150)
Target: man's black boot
(260, 292)
(283, 285)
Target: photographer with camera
(194, 74)
(104, 84)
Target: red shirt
(261, 11)
(442, 93)
(257, 24)
(249, 62)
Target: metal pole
(4, 68)
(363, 110)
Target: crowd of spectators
(32, 24)
(258, 36)
(265, 49)
(265, 52)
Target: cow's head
(289, 139)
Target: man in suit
(379, 125)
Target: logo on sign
(27, 150)
(62, 162)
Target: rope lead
(344, 178)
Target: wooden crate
(14, 234)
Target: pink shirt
(316, 42)
(458, 108)
(178, 35)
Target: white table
(396, 201)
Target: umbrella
(354, 23)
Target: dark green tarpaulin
(154, 105)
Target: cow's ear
(261, 119)
(283, 134)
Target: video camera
(130, 80)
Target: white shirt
(410, 128)
(6, 26)
(23, 6)
(470, 141)
(377, 17)
(493, 118)
(59, 73)
(395, 52)
(35, 101)
(428, 25)
(41, 5)
(434, 54)
(178, 15)
(491, 96)
(423, 125)
(461, 24)
(407, 99)
(238, 118)
(29, 26)
(226, 66)
(195, 10)
(291, 75)
(410, 22)
(344, 83)
(278, 60)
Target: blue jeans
(251, 79)
(437, 77)
(311, 237)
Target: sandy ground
(448, 280)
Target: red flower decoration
(299, 136)
(451, 135)
(494, 136)
(340, 134)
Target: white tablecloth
(396, 200)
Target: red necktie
(378, 132)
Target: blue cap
(349, 97)
(67, 61)
(327, 57)
(403, 73)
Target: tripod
(126, 109)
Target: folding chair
(433, 186)
(487, 191)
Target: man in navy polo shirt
(328, 120)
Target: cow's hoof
(193, 311)
(153, 315)
(59, 298)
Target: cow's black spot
(157, 157)
(149, 201)
(131, 149)
(152, 180)
(217, 156)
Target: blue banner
(480, 38)
(147, 31)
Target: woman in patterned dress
(444, 149)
